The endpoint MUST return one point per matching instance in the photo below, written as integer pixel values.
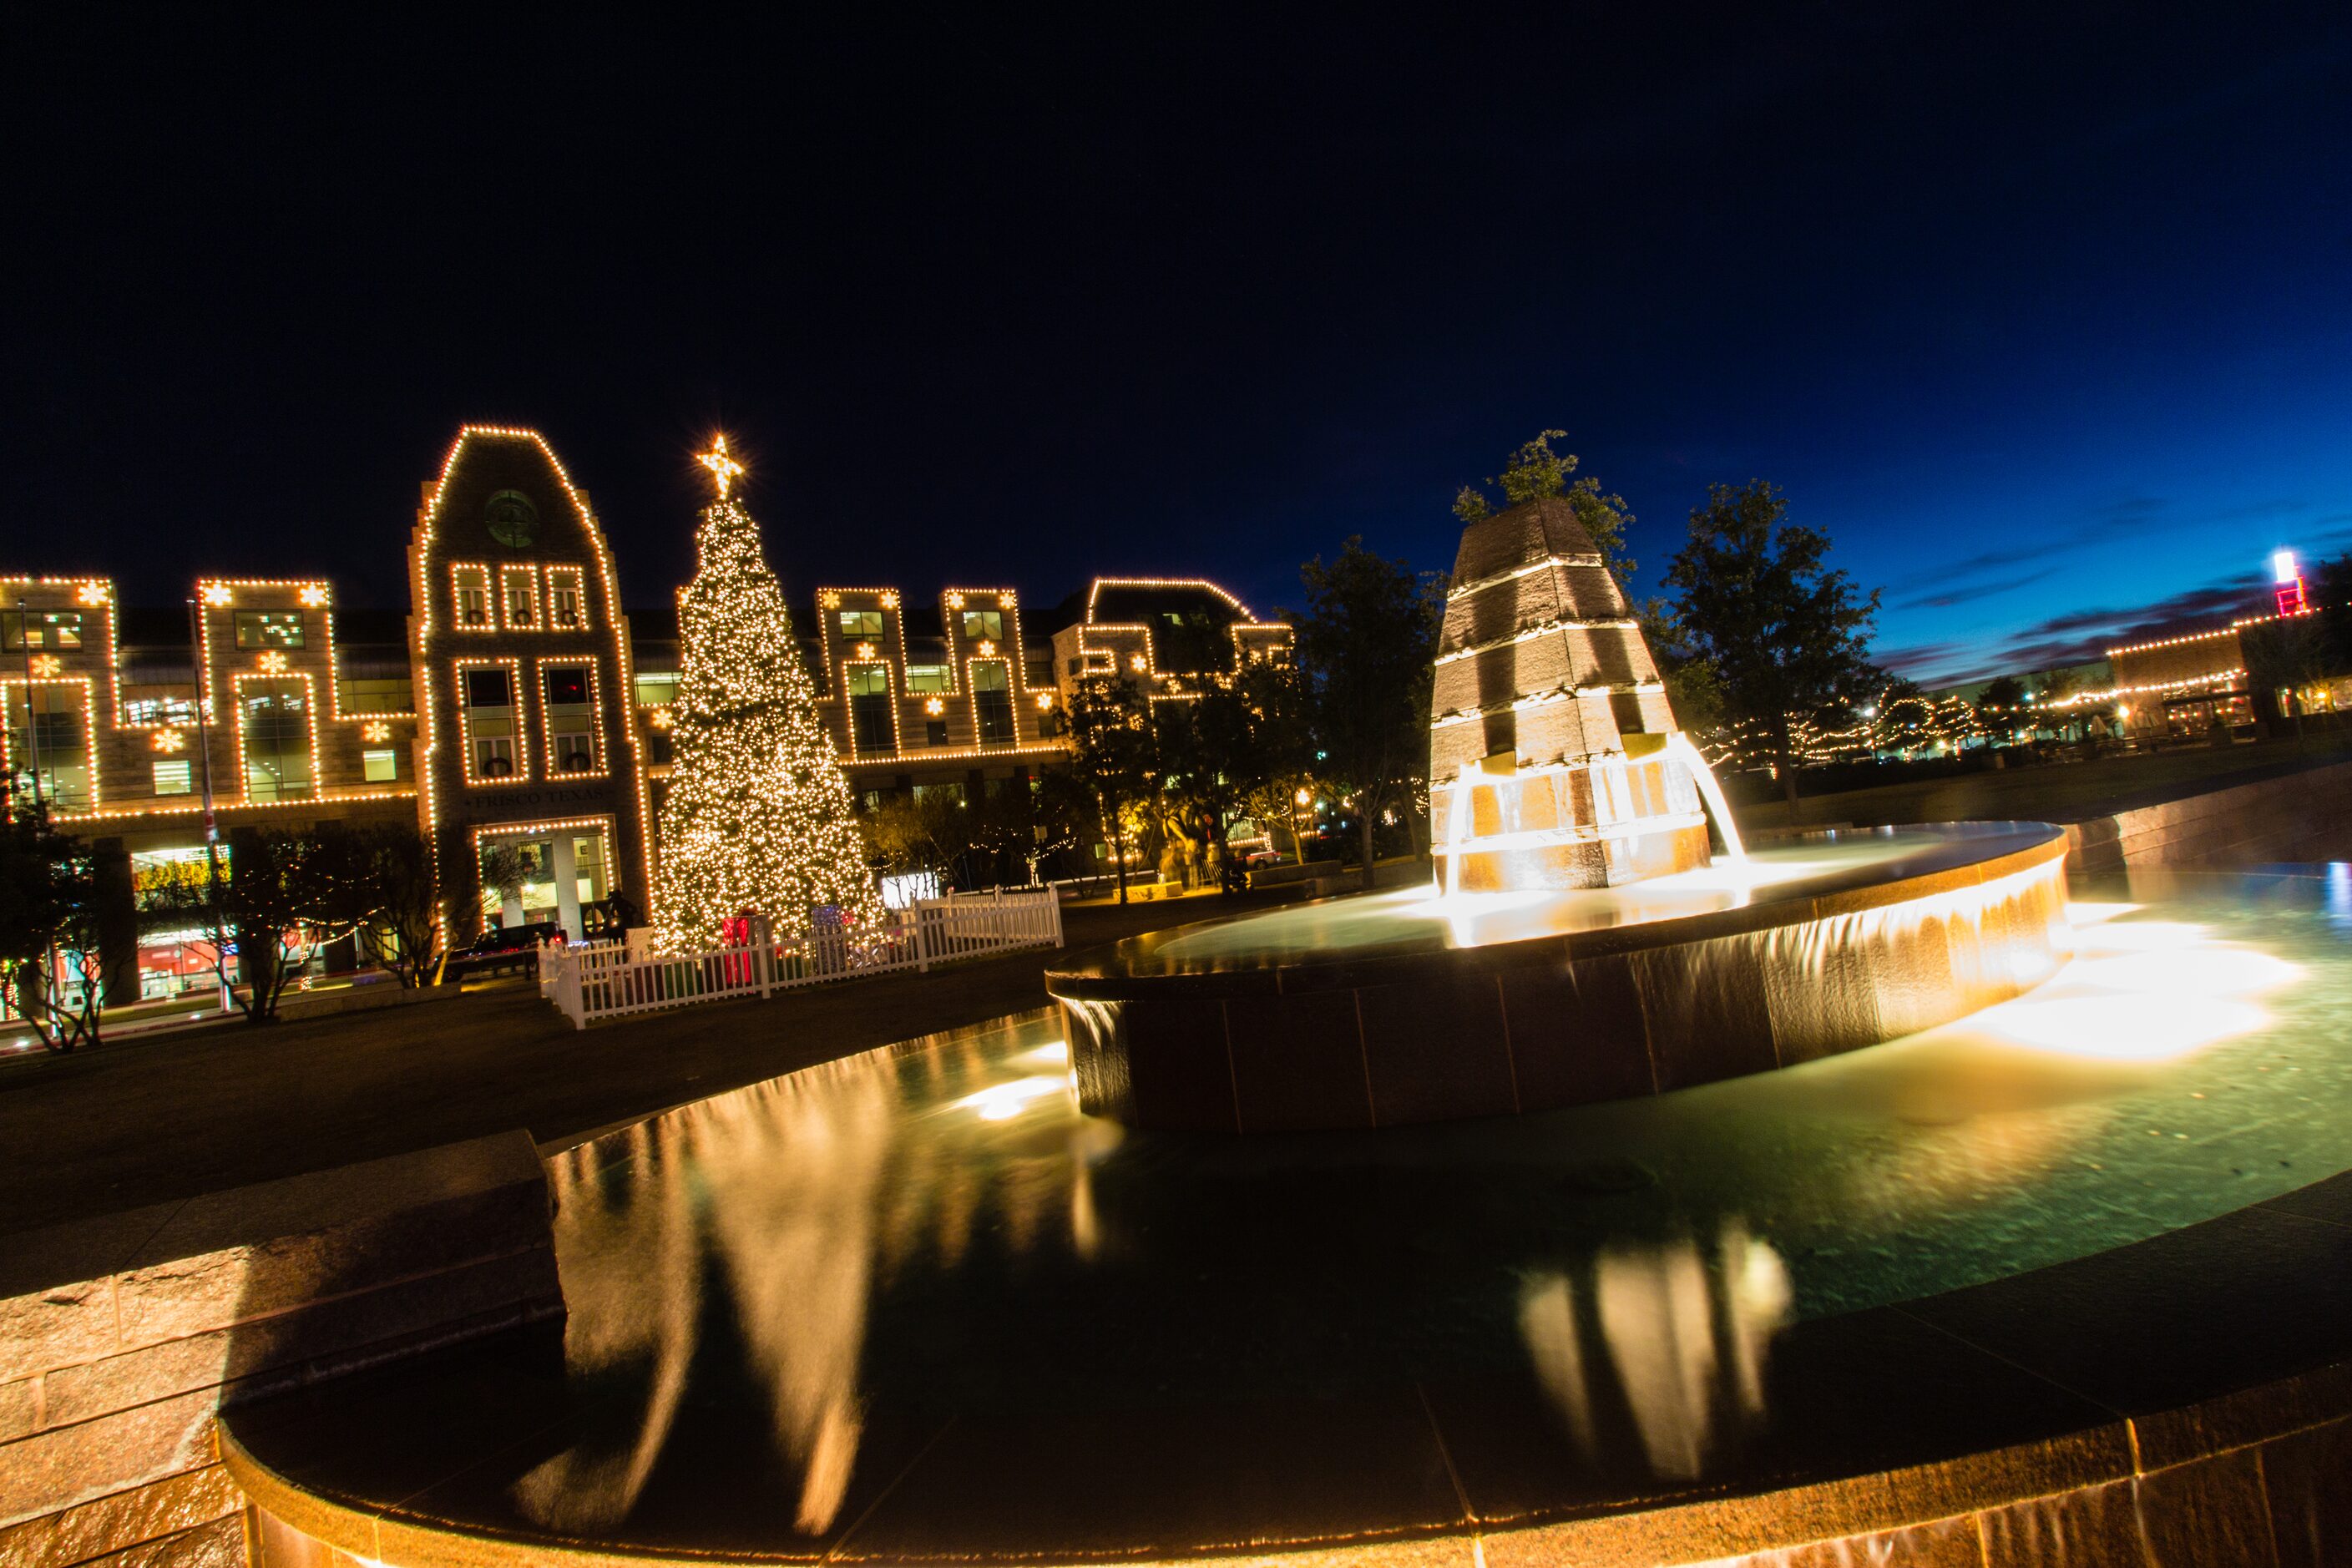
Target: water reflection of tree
(805, 1197)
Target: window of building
(268, 629)
(40, 629)
(472, 589)
(157, 703)
(277, 729)
(519, 598)
(657, 690)
(948, 792)
(870, 709)
(930, 677)
(984, 625)
(567, 599)
(373, 694)
(935, 732)
(175, 776)
(491, 734)
(861, 623)
(568, 693)
(377, 767)
(49, 724)
(991, 699)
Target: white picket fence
(590, 981)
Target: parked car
(500, 950)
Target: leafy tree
(1114, 753)
(1269, 714)
(1693, 689)
(1366, 642)
(1788, 634)
(402, 899)
(1534, 471)
(285, 895)
(48, 909)
(2000, 695)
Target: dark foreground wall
(121, 1338)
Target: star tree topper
(724, 469)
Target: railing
(589, 981)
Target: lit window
(488, 697)
(268, 629)
(473, 602)
(984, 625)
(380, 767)
(861, 623)
(992, 700)
(656, 691)
(277, 738)
(173, 776)
(567, 691)
(567, 599)
(869, 708)
(519, 596)
(930, 677)
(41, 628)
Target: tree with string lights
(759, 816)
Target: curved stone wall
(1808, 972)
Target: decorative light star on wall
(829, 599)
(216, 593)
(169, 741)
(935, 707)
(46, 666)
(272, 663)
(375, 730)
(866, 650)
(93, 594)
(955, 601)
(661, 719)
(314, 595)
(890, 598)
(724, 469)
(987, 649)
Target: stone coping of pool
(2188, 1395)
(1968, 855)
(1391, 1032)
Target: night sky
(2048, 323)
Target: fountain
(1579, 942)
(2061, 1275)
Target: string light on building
(758, 815)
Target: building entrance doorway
(559, 876)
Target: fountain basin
(1390, 1008)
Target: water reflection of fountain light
(2139, 991)
(1003, 1102)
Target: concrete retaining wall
(122, 1337)
(2300, 816)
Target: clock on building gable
(512, 519)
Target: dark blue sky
(2047, 320)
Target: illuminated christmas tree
(758, 816)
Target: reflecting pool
(813, 1274)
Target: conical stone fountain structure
(1554, 761)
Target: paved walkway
(141, 1121)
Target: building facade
(518, 713)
